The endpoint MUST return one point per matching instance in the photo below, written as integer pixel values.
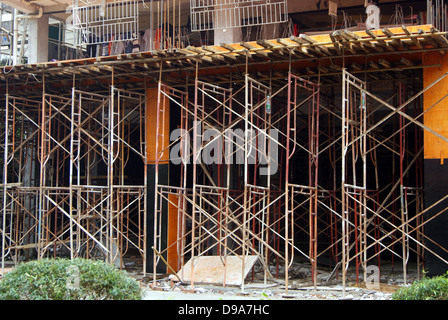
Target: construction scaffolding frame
(270, 172)
(374, 219)
(226, 209)
(234, 205)
(65, 190)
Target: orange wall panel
(436, 117)
(164, 140)
(151, 125)
(172, 254)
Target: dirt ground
(253, 292)
(256, 287)
(329, 286)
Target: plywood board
(217, 269)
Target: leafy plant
(435, 288)
(64, 279)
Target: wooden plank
(272, 53)
(307, 39)
(336, 44)
(227, 47)
(396, 42)
(406, 62)
(211, 269)
(247, 45)
(227, 56)
(414, 40)
(384, 63)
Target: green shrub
(435, 288)
(64, 279)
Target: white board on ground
(217, 269)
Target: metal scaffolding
(379, 217)
(344, 211)
(237, 202)
(65, 190)
(262, 170)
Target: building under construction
(207, 138)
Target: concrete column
(271, 31)
(223, 18)
(235, 35)
(228, 36)
(38, 40)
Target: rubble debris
(300, 285)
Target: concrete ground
(300, 288)
(176, 295)
(260, 292)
